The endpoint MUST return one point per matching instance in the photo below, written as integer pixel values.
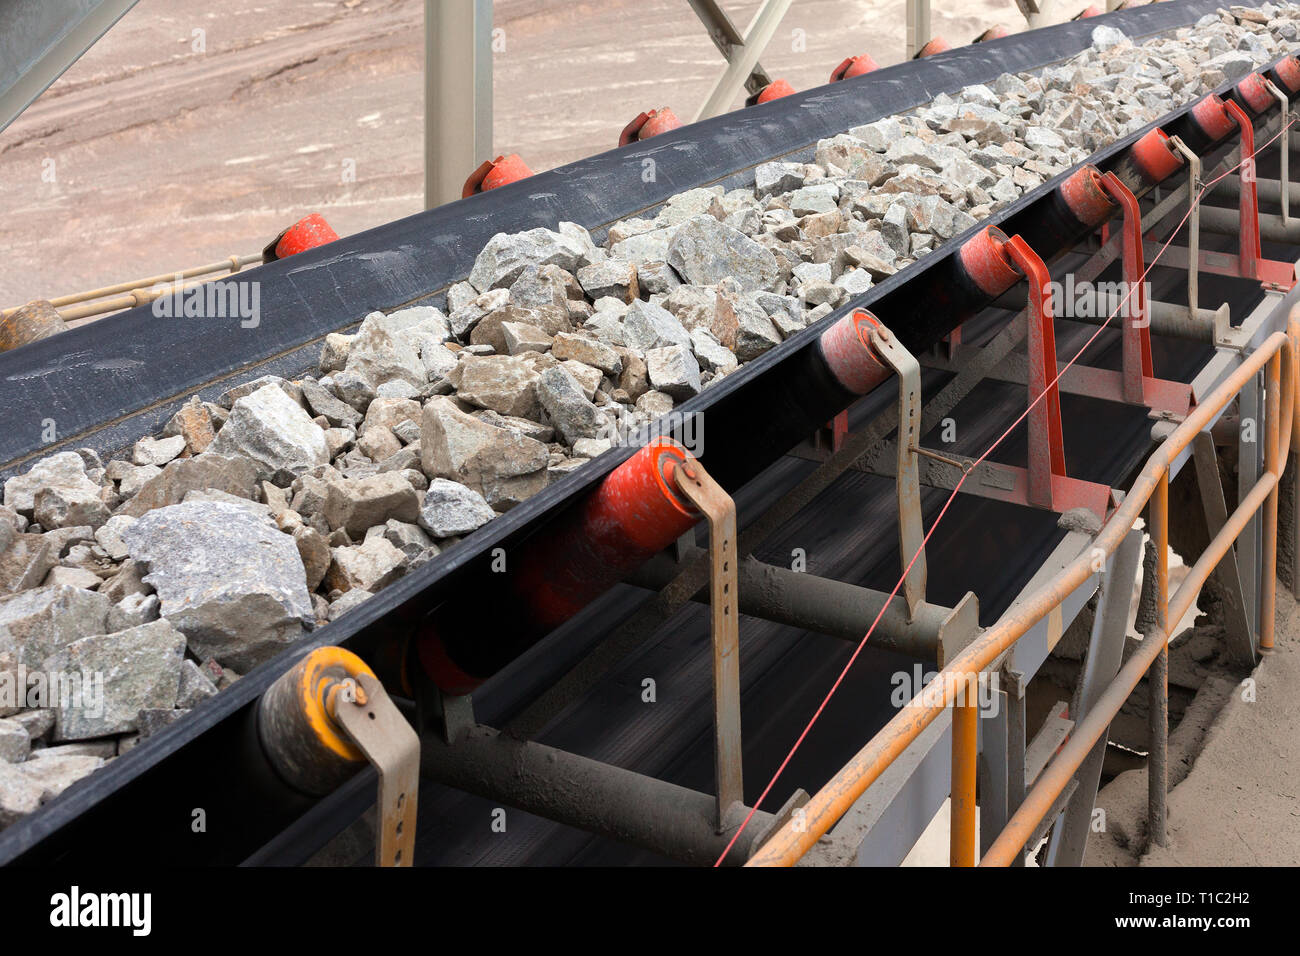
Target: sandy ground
(1240, 805)
(150, 154)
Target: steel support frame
(457, 95)
(740, 50)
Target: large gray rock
(588, 351)
(36, 624)
(140, 668)
(64, 472)
(650, 326)
(322, 402)
(452, 509)
(674, 371)
(361, 503)
(615, 278)
(507, 255)
(499, 463)
(274, 432)
(226, 577)
(380, 352)
(704, 252)
(24, 561)
(503, 383)
(368, 566)
(232, 474)
(567, 406)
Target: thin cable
(965, 474)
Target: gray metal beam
(593, 796)
(457, 95)
(1105, 654)
(39, 40)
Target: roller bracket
(372, 721)
(911, 530)
(707, 495)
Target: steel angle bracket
(372, 721)
(911, 530)
(707, 495)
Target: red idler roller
(1205, 124)
(649, 124)
(1089, 11)
(307, 233)
(1150, 160)
(986, 265)
(853, 66)
(992, 33)
(1286, 74)
(933, 46)
(1083, 194)
(846, 349)
(1253, 93)
(633, 514)
(773, 91)
(494, 173)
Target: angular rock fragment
(704, 252)
(674, 371)
(567, 407)
(226, 578)
(356, 505)
(450, 508)
(500, 464)
(140, 668)
(64, 472)
(274, 432)
(507, 255)
(368, 566)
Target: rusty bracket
(370, 718)
(1284, 145)
(911, 530)
(716, 505)
(1194, 186)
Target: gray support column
(457, 95)
(1105, 654)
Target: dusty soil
(157, 152)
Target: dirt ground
(195, 130)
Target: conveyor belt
(125, 358)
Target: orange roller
(773, 91)
(494, 173)
(1086, 12)
(1287, 73)
(992, 33)
(1211, 117)
(853, 66)
(1254, 93)
(649, 124)
(1154, 157)
(935, 45)
(1086, 197)
(984, 262)
(307, 233)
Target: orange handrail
(828, 805)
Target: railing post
(1272, 428)
(1158, 675)
(965, 736)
